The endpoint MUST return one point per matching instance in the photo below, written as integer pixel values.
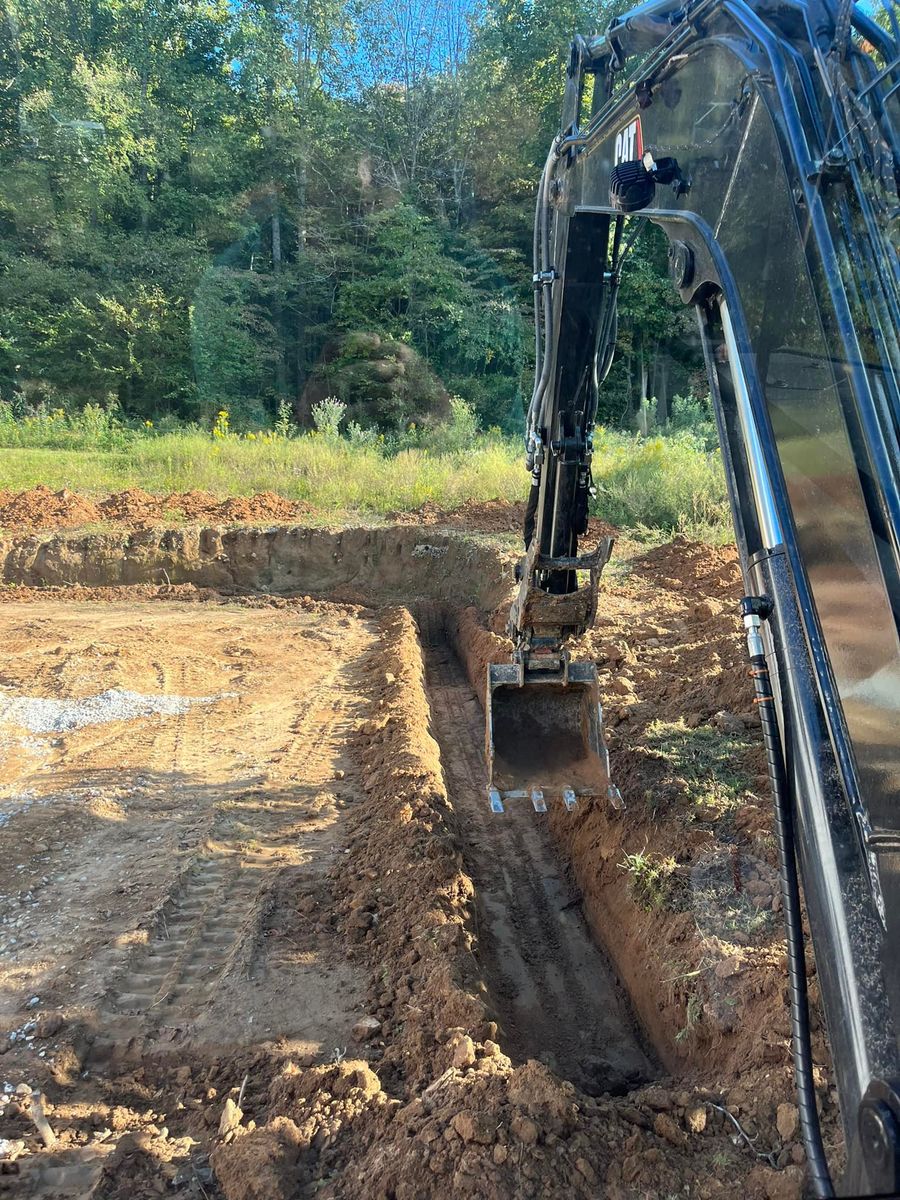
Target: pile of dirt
(685, 565)
(41, 508)
(134, 506)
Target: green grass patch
(650, 487)
(652, 878)
(708, 763)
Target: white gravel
(40, 715)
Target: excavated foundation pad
(400, 994)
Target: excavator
(761, 137)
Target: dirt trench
(554, 992)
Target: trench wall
(388, 563)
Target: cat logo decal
(629, 143)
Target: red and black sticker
(629, 144)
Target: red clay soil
(704, 964)
(40, 508)
(448, 1113)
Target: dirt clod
(230, 1119)
(463, 1053)
(48, 1025)
(259, 1165)
(366, 1028)
(788, 1121)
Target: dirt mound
(134, 505)
(41, 508)
(264, 506)
(685, 565)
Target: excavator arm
(759, 135)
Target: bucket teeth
(495, 799)
(569, 798)
(537, 799)
(614, 796)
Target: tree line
(206, 204)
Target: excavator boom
(759, 135)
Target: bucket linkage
(544, 721)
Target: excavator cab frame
(760, 136)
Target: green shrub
(459, 433)
(327, 416)
(665, 482)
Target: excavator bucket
(544, 738)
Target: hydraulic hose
(543, 304)
(754, 609)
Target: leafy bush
(459, 433)
(693, 414)
(382, 382)
(433, 289)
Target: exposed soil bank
(382, 563)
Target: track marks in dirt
(213, 927)
(174, 851)
(556, 996)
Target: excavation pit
(313, 849)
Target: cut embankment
(379, 564)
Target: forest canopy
(248, 205)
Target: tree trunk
(662, 389)
(276, 243)
(277, 309)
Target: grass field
(663, 483)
